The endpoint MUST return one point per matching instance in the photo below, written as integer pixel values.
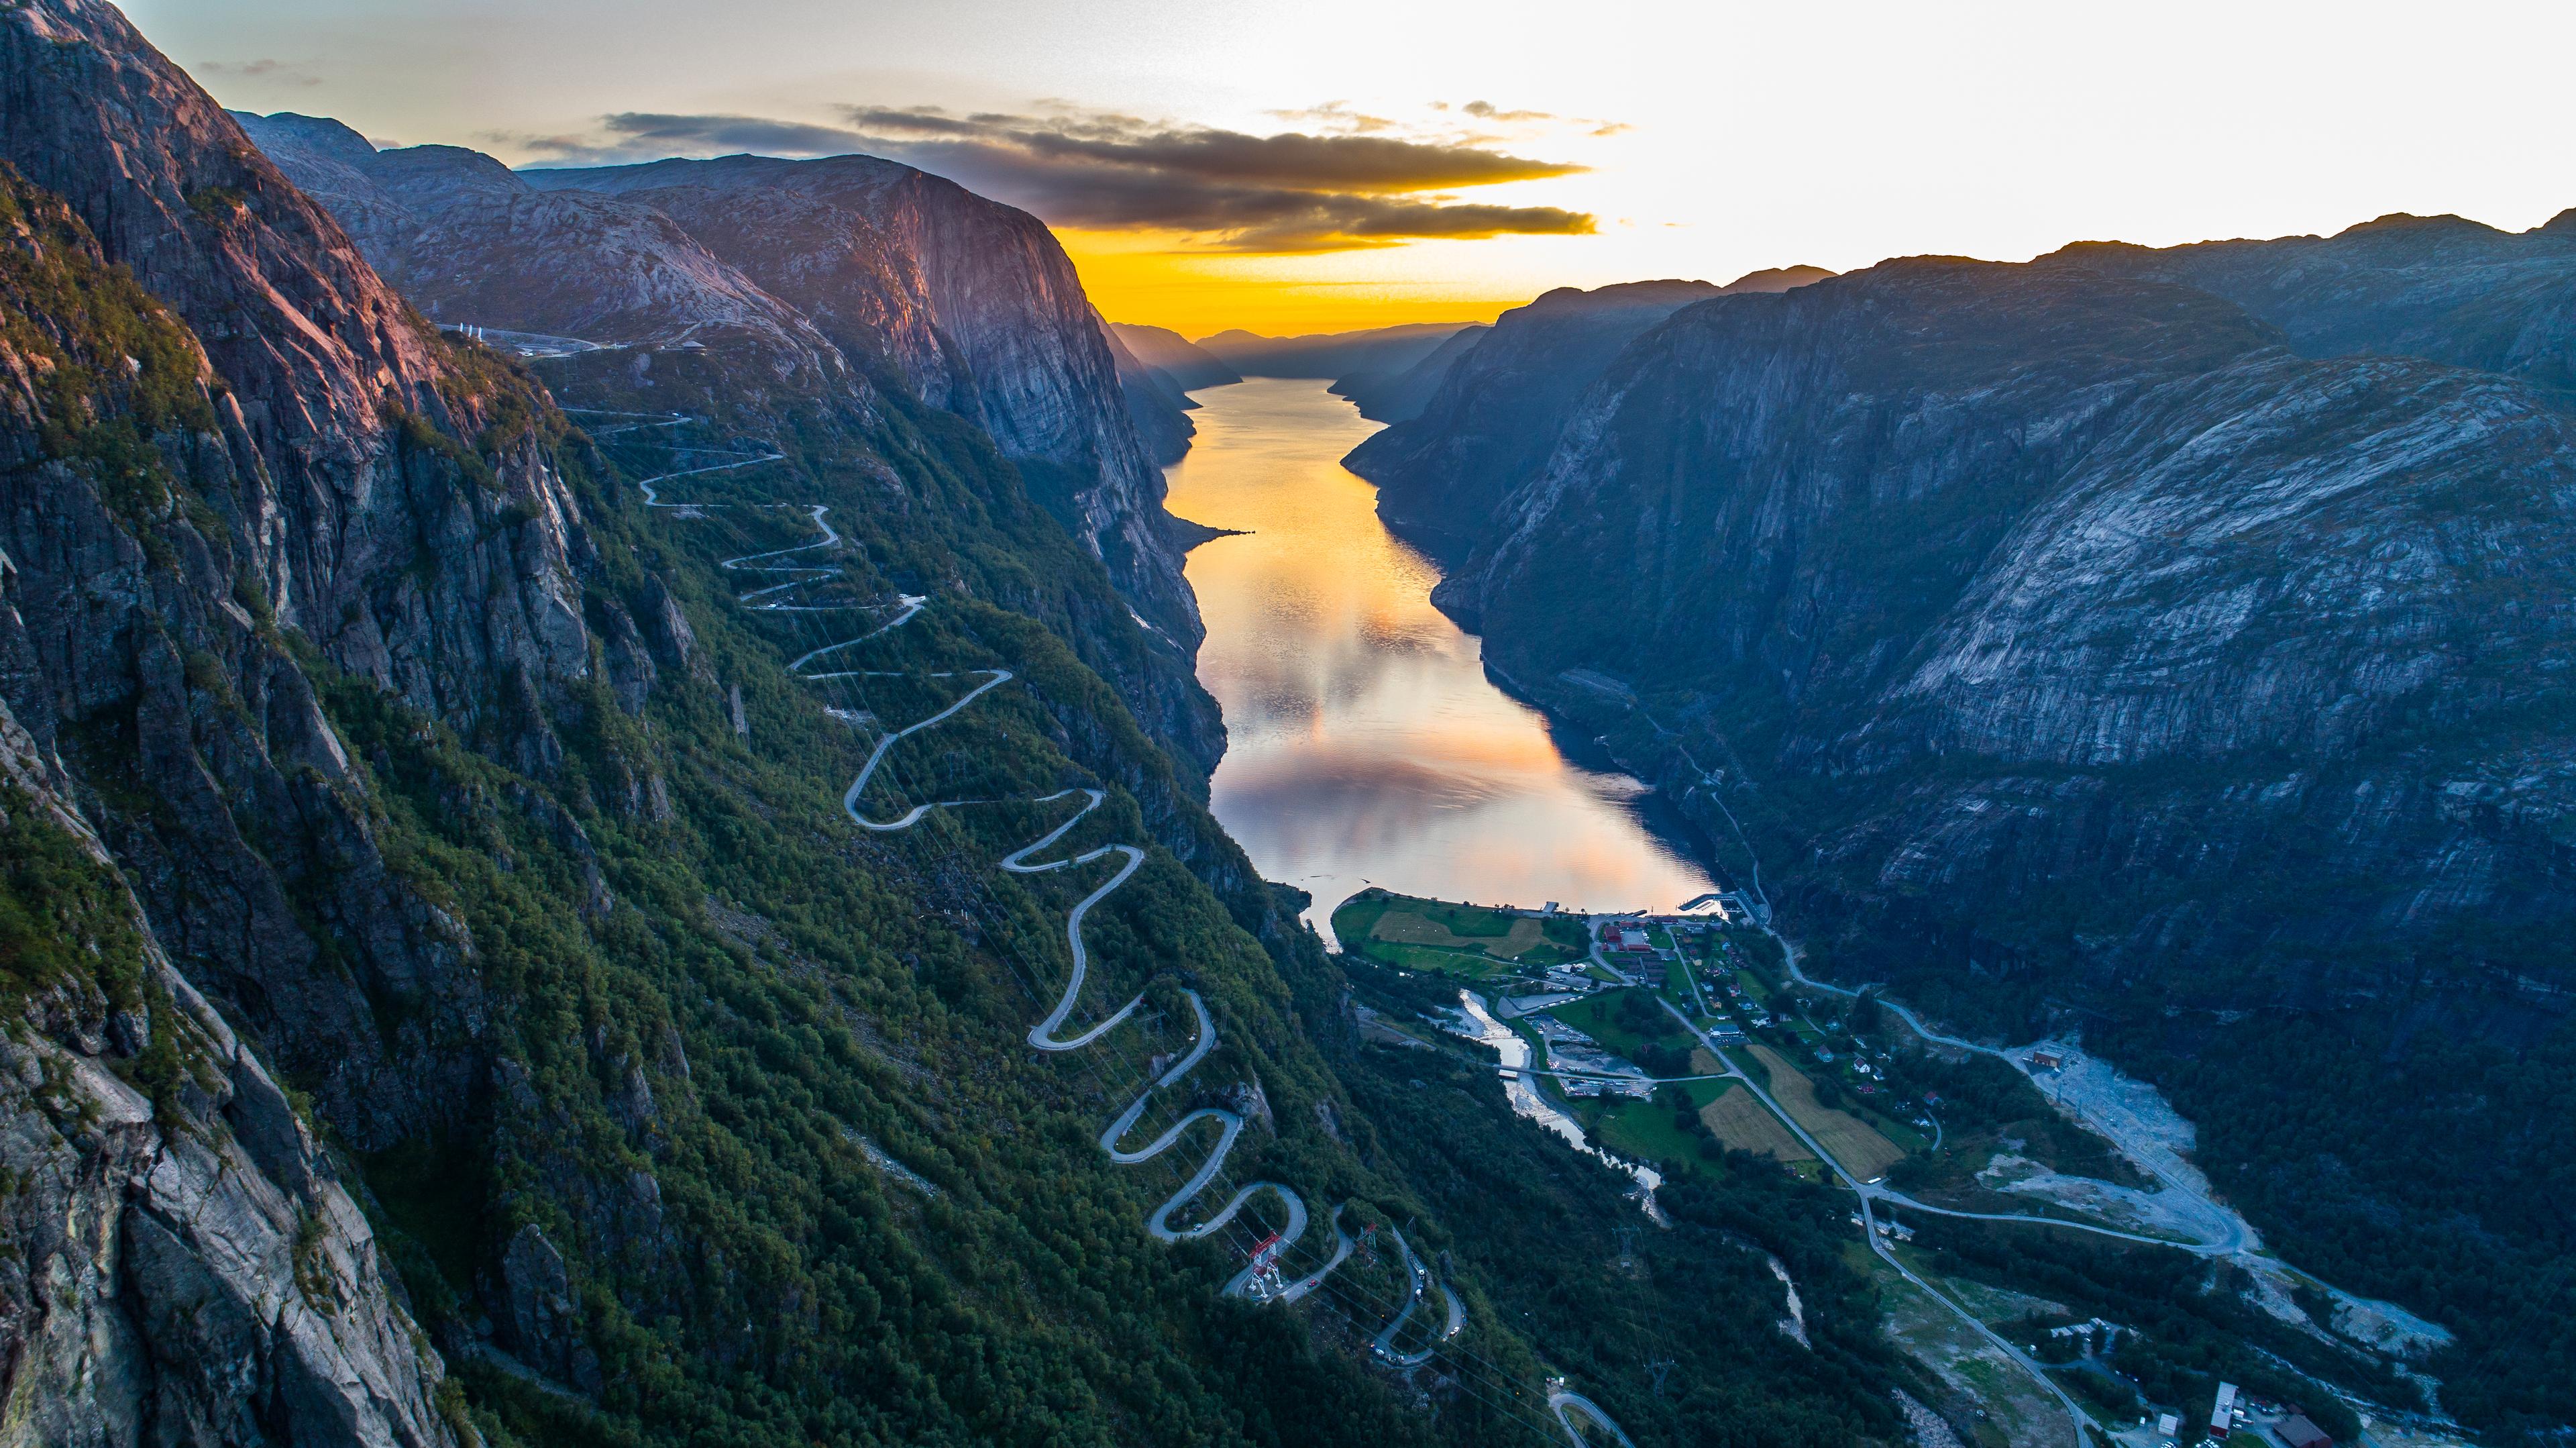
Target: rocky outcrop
(468, 242)
(2074, 619)
(1002, 294)
(236, 472)
(1491, 417)
(183, 1265)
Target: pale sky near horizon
(1713, 138)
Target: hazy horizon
(1341, 166)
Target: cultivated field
(1745, 1124)
(1412, 927)
(1441, 935)
(1854, 1142)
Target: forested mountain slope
(627, 1089)
(2064, 640)
(784, 298)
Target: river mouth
(1365, 743)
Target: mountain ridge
(813, 282)
(2075, 646)
(500, 776)
(1487, 418)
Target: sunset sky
(1329, 164)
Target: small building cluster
(1571, 1050)
(1628, 937)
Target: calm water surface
(1364, 743)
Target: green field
(1644, 1131)
(1598, 1016)
(1469, 941)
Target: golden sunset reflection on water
(1364, 743)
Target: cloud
(1290, 192)
(1338, 116)
(265, 68)
(1485, 111)
(1488, 111)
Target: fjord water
(1364, 743)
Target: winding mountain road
(1048, 1034)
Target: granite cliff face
(1031, 365)
(229, 449)
(284, 446)
(1492, 415)
(467, 241)
(782, 298)
(2075, 619)
(2170, 648)
(185, 1265)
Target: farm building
(2296, 1431)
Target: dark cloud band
(1284, 193)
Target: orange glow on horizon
(1158, 280)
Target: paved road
(785, 595)
(1878, 1244)
(2234, 1235)
(1566, 1404)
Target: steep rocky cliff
(2079, 617)
(203, 491)
(1000, 291)
(780, 299)
(1492, 416)
(1156, 402)
(229, 450)
(2061, 648)
(183, 1264)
